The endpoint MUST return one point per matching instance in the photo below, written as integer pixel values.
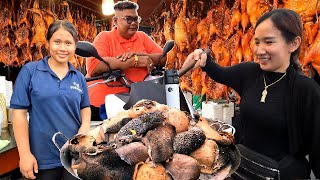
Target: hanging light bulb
(107, 7)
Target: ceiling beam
(156, 8)
(93, 2)
(75, 3)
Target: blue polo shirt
(53, 105)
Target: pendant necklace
(265, 92)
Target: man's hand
(126, 56)
(145, 61)
(28, 166)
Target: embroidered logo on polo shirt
(76, 87)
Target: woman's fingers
(35, 167)
(203, 59)
(30, 175)
(197, 54)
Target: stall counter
(9, 156)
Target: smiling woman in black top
(280, 107)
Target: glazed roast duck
(151, 141)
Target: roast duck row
(227, 28)
(23, 29)
(152, 141)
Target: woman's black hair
(65, 25)
(290, 24)
(121, 5)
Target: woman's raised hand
(199, 56)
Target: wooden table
(9, 156)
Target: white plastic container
(3, 111)
(228, 112)
(1, 121)
(212, 110)
(218, 111)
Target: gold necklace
(265, 92)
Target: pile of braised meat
(151, 141)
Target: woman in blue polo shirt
(56, 97)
